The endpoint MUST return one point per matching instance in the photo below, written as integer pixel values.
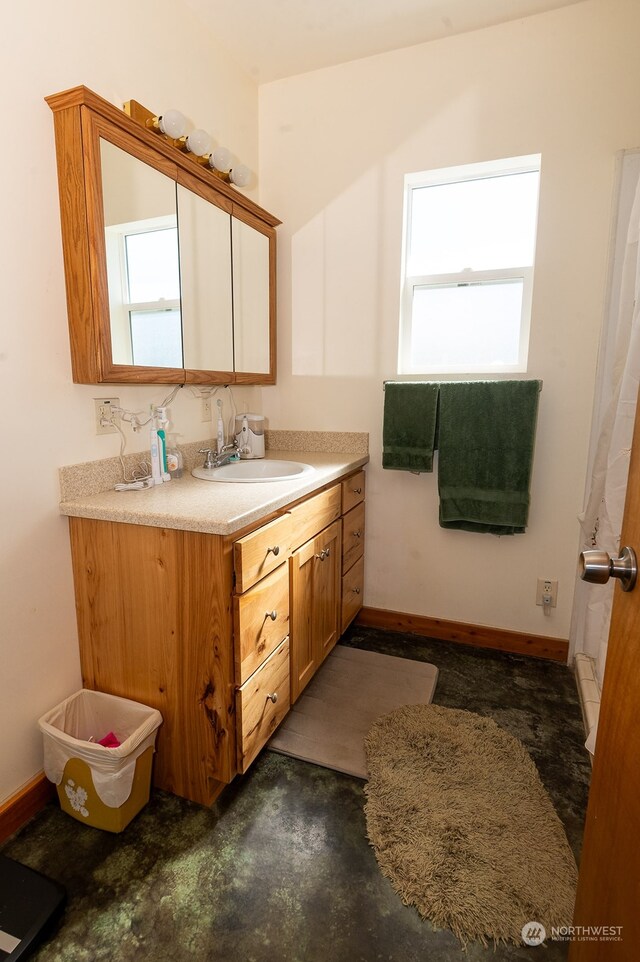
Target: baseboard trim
(24, 804)
(499, 639)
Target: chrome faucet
(227, 453)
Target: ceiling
(272, 39)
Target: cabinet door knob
(356, 591)
(275, 549)
(358, 533)
(357, 490)
(273, 697)
(271, 614)
(327, 552)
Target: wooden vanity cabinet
(220, 634)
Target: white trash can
(102, 787)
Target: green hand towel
(486, 441)
(409, 430)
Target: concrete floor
(280, 869)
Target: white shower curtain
(602, 518)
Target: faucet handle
(209, 456)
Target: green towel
(486, 441)
(409, 430)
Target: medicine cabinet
(170, 271)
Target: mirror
(170, 269)
(250, 298)
(205, 262)
(188, 283)
(143, 274)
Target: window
(145, 300)
(468, 256)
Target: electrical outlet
(547, 587)
(104, 414)
(206, 409)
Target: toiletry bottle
(175, 463)
(220, 427)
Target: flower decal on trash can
(77, 797)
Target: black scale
(30, 905)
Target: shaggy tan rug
(463, 827)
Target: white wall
(334, 147)
(155, 52)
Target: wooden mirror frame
(81, 119)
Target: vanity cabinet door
(315, 583)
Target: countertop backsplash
(93, 477)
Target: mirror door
(204, 232)
(143, 273)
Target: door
(315, 605)
(609, 880)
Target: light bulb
(220, 159)
(172, 123)
(240, 175)
(199, 142)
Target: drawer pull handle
(273, 697)
(358, 533)
(357, 490)
(275, 549)
(271, 614)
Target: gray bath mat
(329, 722)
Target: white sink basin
(254, 470)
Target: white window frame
(450, 175)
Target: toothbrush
(156, 472)
(220, 427)
(162, 442)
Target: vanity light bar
(172, 124)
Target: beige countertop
(210, 506)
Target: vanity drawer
(312, 516)
(352, 593)
(261, 704)
(262, 551)
(352, 491)
(257, 633)
(352, 536)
